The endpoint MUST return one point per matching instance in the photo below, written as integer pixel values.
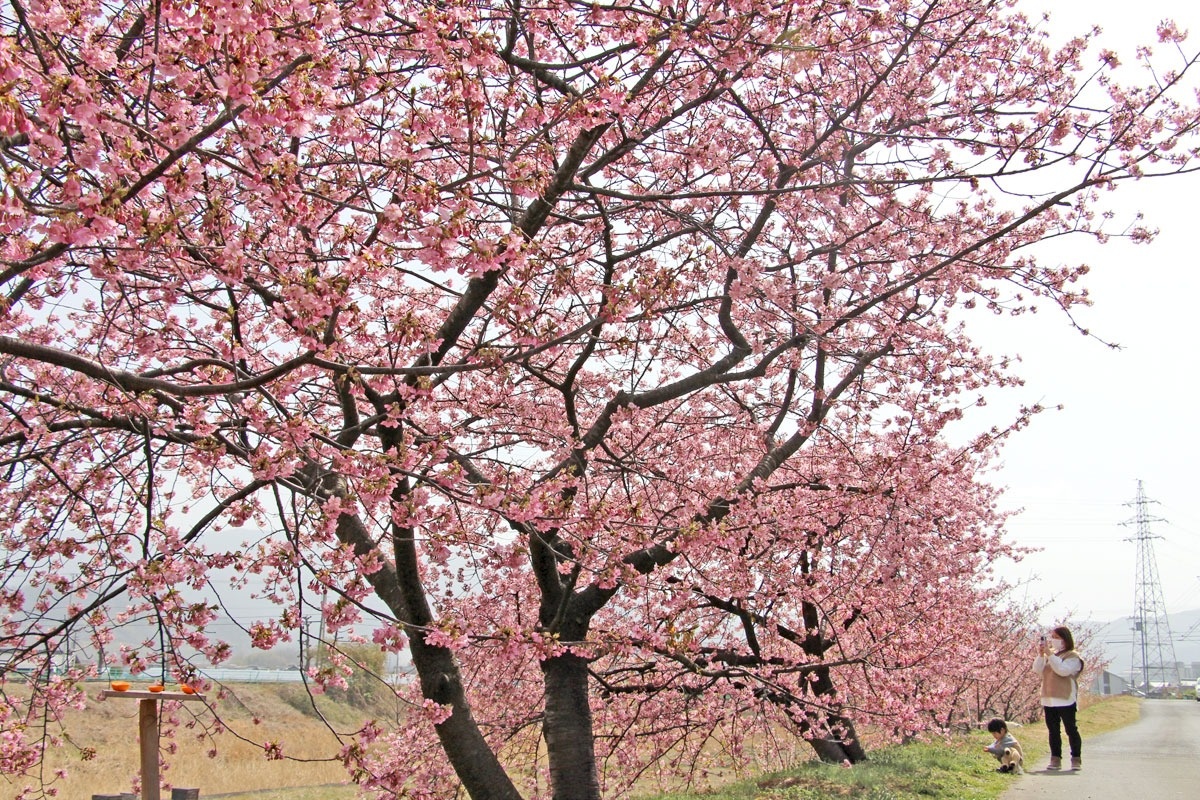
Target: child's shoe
(1055, 763)
(1076, 763)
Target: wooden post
(148, 738)
(148, 732)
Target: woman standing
(1060, 667)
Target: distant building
(1109, 683)
(1188, 671)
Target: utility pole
(321, 629)
(1153, 647)
(305, 644)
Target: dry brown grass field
(254, 714)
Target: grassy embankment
(953, 770)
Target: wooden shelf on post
(148, 730)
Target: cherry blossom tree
(601, 356)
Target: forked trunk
(842, 746)
(842, 742)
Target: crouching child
(1006, 748)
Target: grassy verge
(945, 770)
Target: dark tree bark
(846, 746)
(400, 588)
(568, 729)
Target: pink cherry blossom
(610, 363)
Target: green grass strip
(957, 769)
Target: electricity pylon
(1153, 648)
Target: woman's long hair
(1064, 633)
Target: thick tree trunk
(568, 729)
(474, 762)
(845, 747)
(400, 588)
(829, 751)
(842, 744)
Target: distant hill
(1116, 638)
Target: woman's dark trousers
(1064, 716)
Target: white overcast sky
(1127, 415)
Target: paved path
(1156, 758)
